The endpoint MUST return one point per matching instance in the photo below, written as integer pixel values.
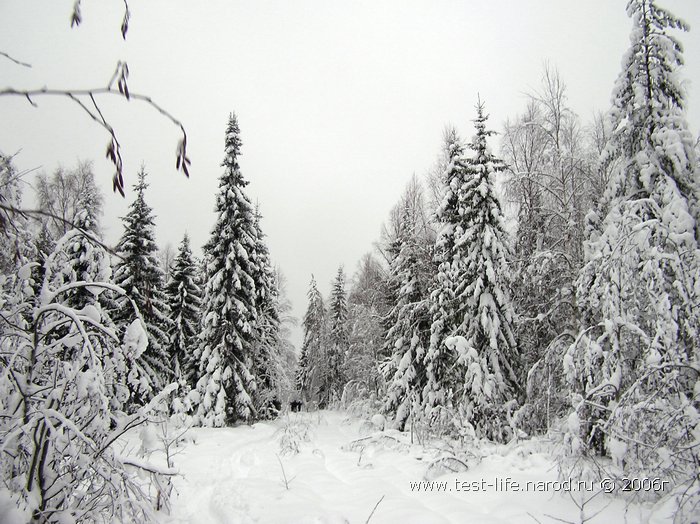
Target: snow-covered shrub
(547, 393)
(160, 439)
(385, 441)
(58, 424)
(358, 402)
(449, 463)
(379, 421)
(293, 434)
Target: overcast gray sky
(339, 103)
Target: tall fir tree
(266, 355)
(338, 340)
(230, 305)
(284, 361)
(184, 299)
(633, 367)
(449, 253)
(488, 357)
(312, 362)
(409, 334)
(138, 272)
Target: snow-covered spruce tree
(284, 361)
(439, 360)
(409, 336)
(138, 272)
(230, 305)
(488, 357)
(184, 300)
(634, 366)
(363, 378)
(265, 352)
(337, 348)
(313, 363)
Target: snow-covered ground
(237, 475)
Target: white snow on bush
(135, 339)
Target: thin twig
(18, 62)
(375, 509)
(113, 148)
(284, 474)
(558, 519)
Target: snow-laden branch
(146, 466)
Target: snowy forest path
(213, 466)
(302, 468)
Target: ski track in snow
(232, 475)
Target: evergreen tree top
(184, 259)
(650, 133)
(85, 221)
(453, 144)
(479, 143)
(141, 184)
(338, 300)
(232, 147)
(140, 213)
(184, 298)
(648, 87)
(639, 10)
(314, 317)
(138, 268)
(138, 239)
(236, 221)
(316, 307)
(314, 294)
